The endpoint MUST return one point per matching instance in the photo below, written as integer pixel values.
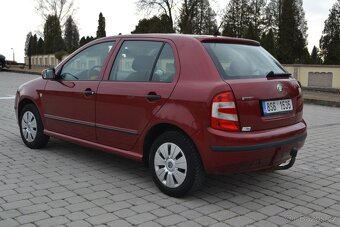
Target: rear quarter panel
(189, 106)
(189, 103)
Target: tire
(31, 128)
(175, 165)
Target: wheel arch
(24, 102)
(155, 132)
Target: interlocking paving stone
(69, 185)
(79, 223)
(189, 223)
(8, 222)
(239, 221)
(141, 218)
(7, 214)
(28, 218)
(53, 221)
(171, 220)
(101, 219)
(77, 216)
(119, 223)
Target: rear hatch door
(264, 103)
(266, 95)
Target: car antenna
(217, 33)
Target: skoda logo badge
(279, 88)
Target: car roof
(202, 38)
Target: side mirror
(49, 74)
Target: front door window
(87, 64)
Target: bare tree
(61, 8)
(166, 6)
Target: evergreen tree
(271, 26)
(207, 20)
(28, 49)
(301, 38)
(71, 37)
(155, 24)
(287, 28)
(315, 58)
(268, 42)
(28, 46)
(40, 46)
(251, 33)
(292, 43)
(197, 17)
(273, 16)
(236, 19)
(330, 39)
(52, 34)
(101, 26)
(84, 40)
(186, 14)
(300, 20)
(34, 43)
(256, 19)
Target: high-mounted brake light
(224, 112)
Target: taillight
(299, 87)
(224, 112)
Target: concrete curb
(322, 102)
(19, 71)
(318, 89)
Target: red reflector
(224, 124)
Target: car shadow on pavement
(71, 158)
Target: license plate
(277, 106)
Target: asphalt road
(68, 185)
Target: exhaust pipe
(293, 154)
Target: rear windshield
(236, 61)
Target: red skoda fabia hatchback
(185, 105)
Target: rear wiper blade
(272, 74)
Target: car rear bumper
(260, 146)
(225, 152)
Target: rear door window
(165, 68)
(237, 61)
(135, 61)
(142, 61)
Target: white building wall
(44, 60)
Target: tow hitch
(291, 162)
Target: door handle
(152, 96)
(88, 92)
